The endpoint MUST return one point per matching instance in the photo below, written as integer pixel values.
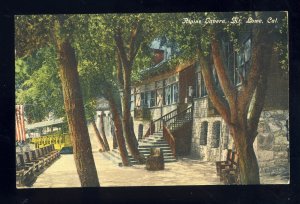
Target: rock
(265, 142)
(280, 137)
(265, 155)
(275, 126)
(155, 160)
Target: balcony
(142, 113)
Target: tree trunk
(102, 130)
(126, 121)
(113, 133)
(102, 145)
(118, 130)
(73, 103)
(249, 170)
(136, 143)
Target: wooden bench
(34, 158)
(50, 157)
(220, 164)
(29, 161)
(53, 151)
(231, 175)
(24, 172)
(40, 154)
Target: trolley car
(50, 132)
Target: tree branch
(134, 45)
(121, 49)
(119, 70)
(211, 89)
(226, 85)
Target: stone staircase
(172, 120)
(155, 140)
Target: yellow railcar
(50, 132)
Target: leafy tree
(130, 32)
(37, 85)
(34, 32)
(97, 71)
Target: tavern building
(205, 135)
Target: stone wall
(271, 145)
(207, 151)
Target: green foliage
(92, 37)
(31, 33)
(38, 85)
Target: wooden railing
(157, 125)
(172, 120)
(170, 139)
(178, 120)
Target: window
(143, 99)
(171, 94)
(167, 95)
(175, 92)
(148, 94)
(203, 133)
(148, 99)
(243, 60)
(152, 98)
(216, 128)
(202, 88)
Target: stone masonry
(271, 145)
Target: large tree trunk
(118, 130)
(249, 170)
(102, 131)
(133, 148)
(99, 136)
(73, 103)
(125, 59)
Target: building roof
(45, 123)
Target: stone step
(115, 157)
(155, 134)
(154, 144)
(168, 156)
(165, 150)
(153, 138)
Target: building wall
(208, 152)
(271, 145)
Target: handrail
(175, 110)
(157, 125)
(180, 113)
(179, 119)
(170, 139)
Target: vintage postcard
(152, 99)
